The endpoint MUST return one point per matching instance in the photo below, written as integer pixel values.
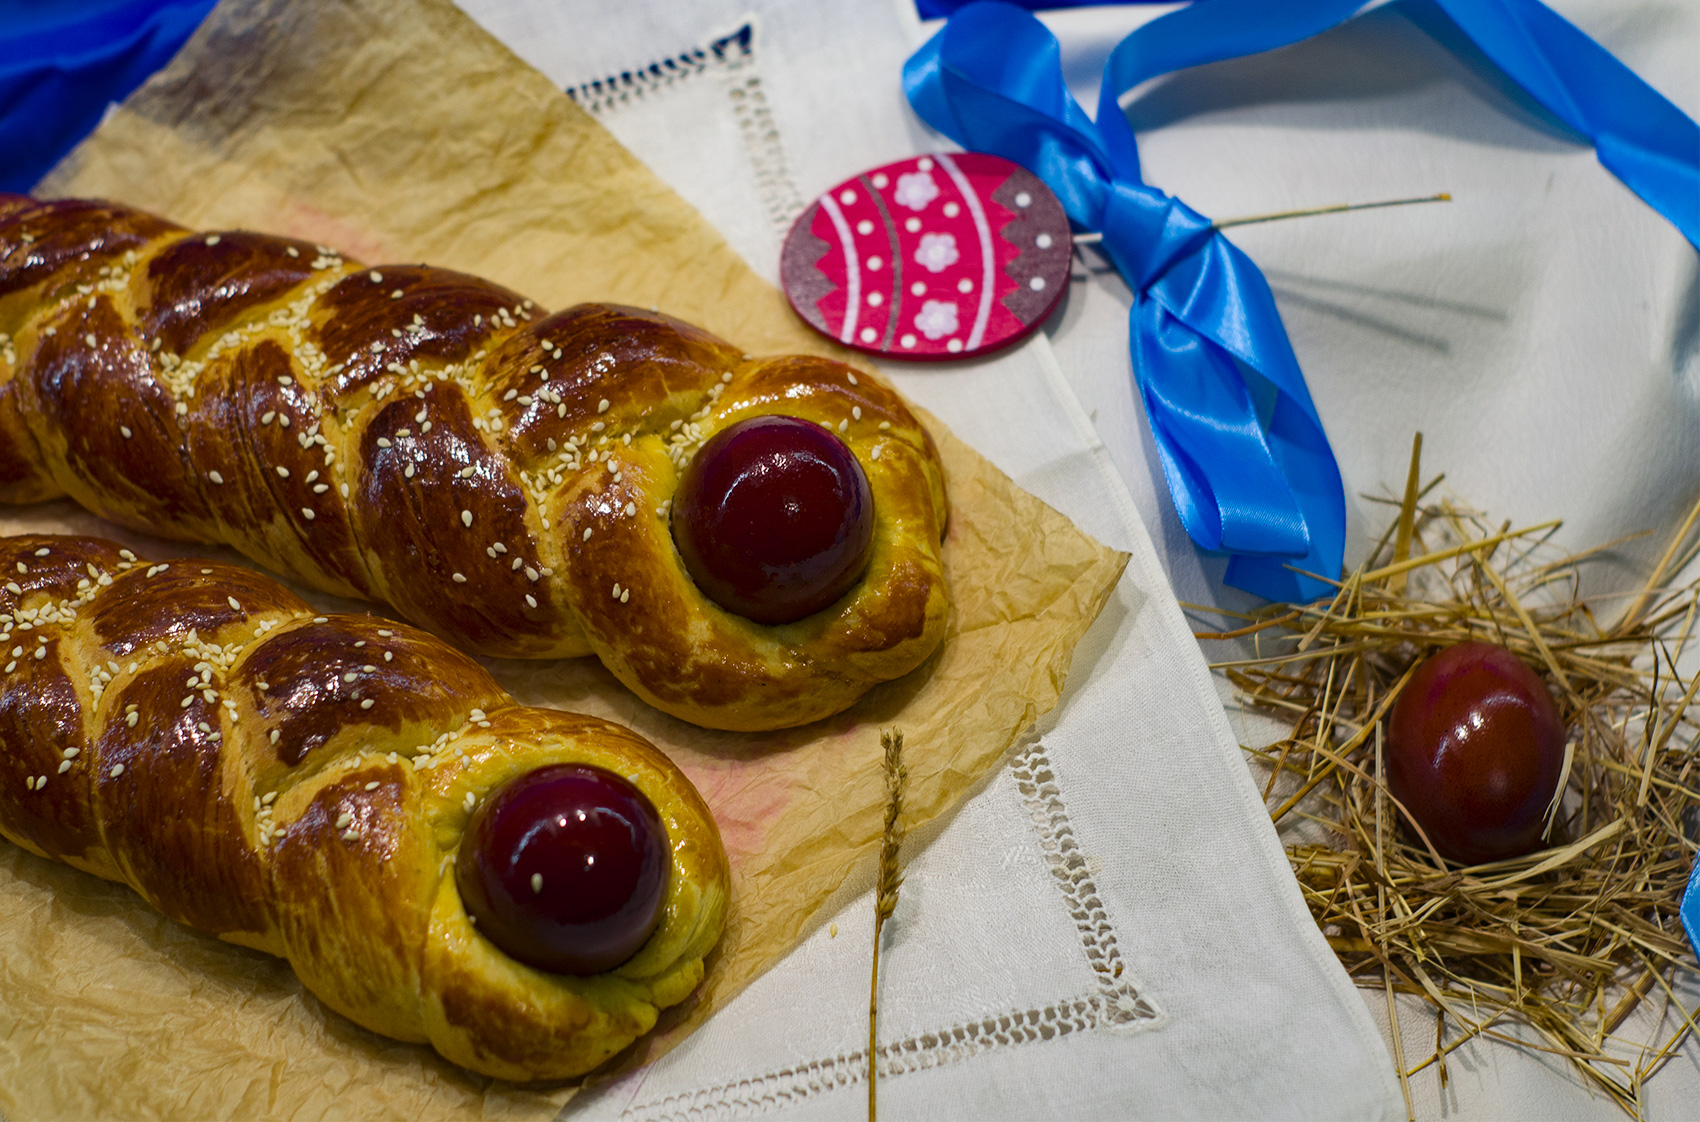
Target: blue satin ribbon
(1691, 908)
(1245, 455)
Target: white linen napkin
(1109, 927)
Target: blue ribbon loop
(1243, 450)
(1691, 908)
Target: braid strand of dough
(427, 439)
(299, 784)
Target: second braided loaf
(304, 785)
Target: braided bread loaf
(431, 440)
(301, 784)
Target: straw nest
(1568, 940)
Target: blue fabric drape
(1246, 459)
(62, 63)
(939, 9)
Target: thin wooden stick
(1093, 237)
(1336, 208)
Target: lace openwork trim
(1115, 1005)
(611, 92)
(1123, 1005)
(732, 57)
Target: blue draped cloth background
(62, 63)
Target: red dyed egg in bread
(935, 257)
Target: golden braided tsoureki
(350, 794)
(501, 477)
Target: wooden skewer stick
(1093, 237)
(1443, 197)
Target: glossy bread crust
(300, 784)
(436, 442)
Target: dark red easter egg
(1474, 751)
(937, 257)
(565, 869)
(774, 519)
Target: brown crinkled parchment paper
(400, 131)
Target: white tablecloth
(1108, 928)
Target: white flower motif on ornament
(936, 319)
(915, 190)
(937, 252)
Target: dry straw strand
(1407, 515)
(1551, 951)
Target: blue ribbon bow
(1243, 450)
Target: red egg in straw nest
(1547, 923)
(1474, 752)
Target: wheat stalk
(890, 880)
